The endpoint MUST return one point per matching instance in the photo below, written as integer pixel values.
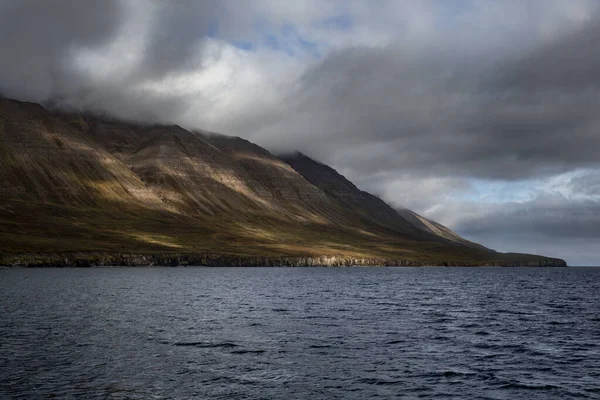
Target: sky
(483, 115)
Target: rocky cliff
(85, 190)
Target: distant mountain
(79, 189)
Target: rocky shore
(79, 260)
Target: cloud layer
(480, 114)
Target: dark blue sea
(300, 333)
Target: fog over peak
(480, 115)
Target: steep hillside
(434, 228)
(84, 190)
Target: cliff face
(84, 190)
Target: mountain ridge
(92, 190)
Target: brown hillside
(101, 191)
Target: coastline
(83, 260)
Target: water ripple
(253, 333)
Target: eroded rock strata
(83, 190)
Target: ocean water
(300, 333)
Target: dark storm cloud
(36, 37)
(525, 113)
(568, 63)
(542, 107)
(177, 30)
(41, 40)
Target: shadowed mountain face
(370, 207)
(96, 190)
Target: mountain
(79, 189)
(368, 206)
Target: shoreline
(100, 259)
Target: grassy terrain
(112, 229)
(96, 189)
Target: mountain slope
(435, 228)
(80, 190)
(369, 206)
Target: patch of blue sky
(244, 45)
(341, 23)
(286, 40)
(521, 191)
(487, 191)
(213, 30)
(289, 41)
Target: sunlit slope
(88, 187)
